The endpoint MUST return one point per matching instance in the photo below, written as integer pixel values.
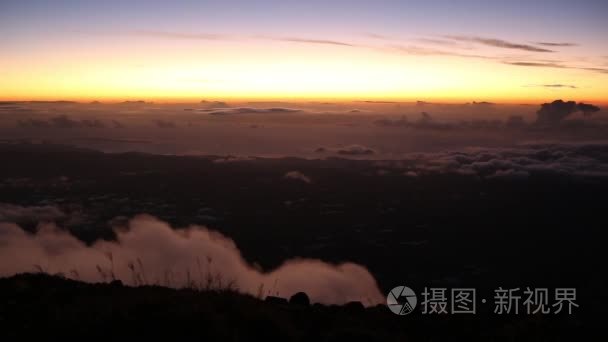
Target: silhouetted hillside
(53, 307)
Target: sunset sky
(432, 50)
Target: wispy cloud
(218, 36)
(377, 36)
(556, 44)
(311, 41)
(499, 43)
(537, 64)
(424, 51)
(432, 41)
(600, 70)
(442, 42)
(448, 42)
(556, 65)
(553, 86)
(181, 35)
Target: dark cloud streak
(423, 51)
(498, 43)
(600, 70)
(537, 64)
(554, 86)
(217, 36)
(555, 65)
(556, 44)
(312, 41)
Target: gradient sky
(432, 50)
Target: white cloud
(150, 251)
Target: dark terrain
(49, 307)
(441, 229)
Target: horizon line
(369, 101)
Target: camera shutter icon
(401, 300)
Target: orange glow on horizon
(280, 71)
